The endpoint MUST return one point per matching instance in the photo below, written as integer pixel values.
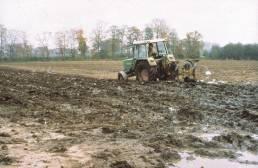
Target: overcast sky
(219, 21)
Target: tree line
(112, 42)
(14, 44)
(233, 51)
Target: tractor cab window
(169, 48)
(135, 51)
(142, 51)
(130, 52)
(161, 48)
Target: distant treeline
(104, 42)
(233, 51)
(111, 42)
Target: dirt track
(72, 121)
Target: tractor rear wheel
(144, 72)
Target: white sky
(219, 21)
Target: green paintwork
(128, 64)
(162, 61)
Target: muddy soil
(54, 120)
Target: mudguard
(122, 75)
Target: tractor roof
(148, 41)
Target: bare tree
(115, 41)
(12, 39)
(193, 44)
(71, 41)
(118, 35)
(43, 41)
(148, 33)
(98, 36)
(3, 32)
(26, 47)
(113, 30)
(133, 33)
(61, 42)
(173, 41)
(160, 28)
(121, 37)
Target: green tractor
(150, 60)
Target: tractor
(150, 60)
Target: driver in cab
(152, 51)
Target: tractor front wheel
(122, 76)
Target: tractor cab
(150, 48)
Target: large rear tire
(144, 72)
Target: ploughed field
(56, 114)
(221, 70)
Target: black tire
(188, 79)
(161, 73)
(173, 69)
(144, 72)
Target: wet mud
(54, 120)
